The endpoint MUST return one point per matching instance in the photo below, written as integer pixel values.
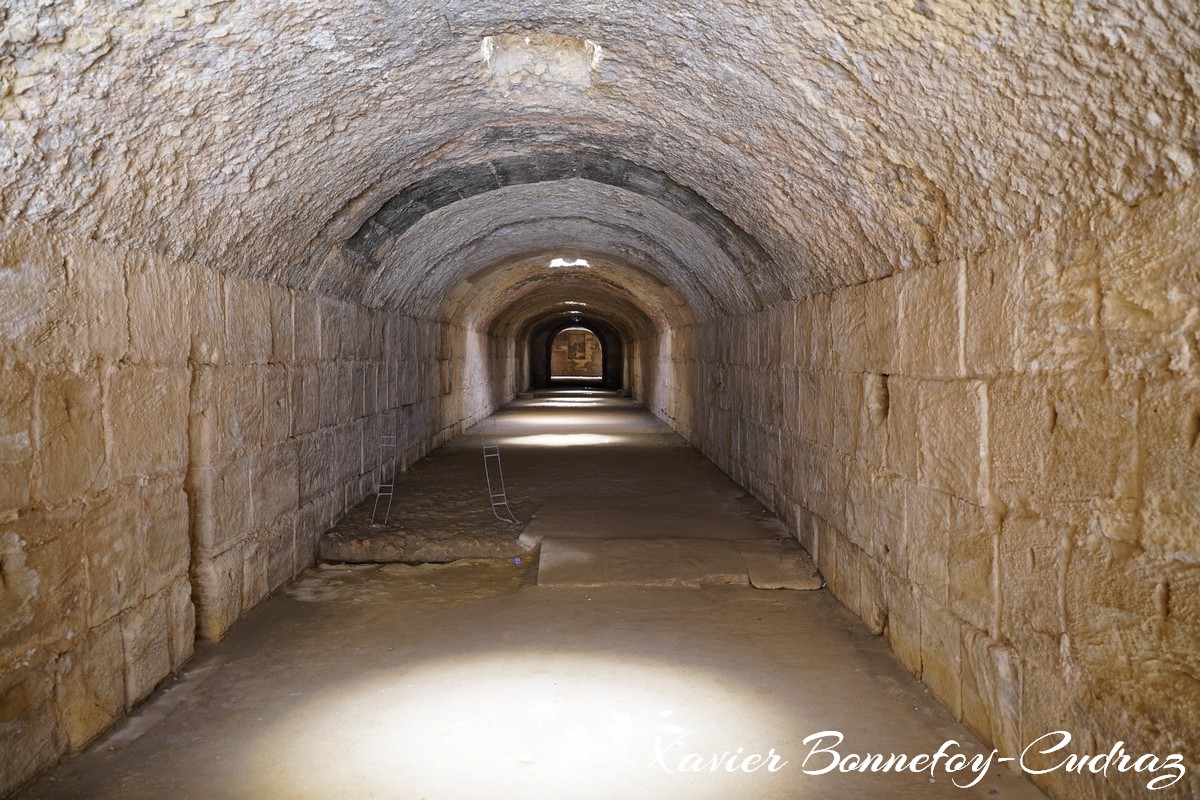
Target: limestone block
(1177, 598)
(1141, 735)
(787, 476)
(114, 548)
(1060, 301)
(348, 450)
(147, 653)
(39, 319)
(1049, 704)
(1150, 282)
(348, 395)
(255, 556)
(846, 395)
(164, 521)
(971, 542)
(416, 385)
(1168, 432)
(231, 503)
(98, 296)
(829, 491)
(845, 583)
(313, 519)
(370, 383)
(773, 407)
(860, 505)
(364, 343)
(275, 483)
(805, 464)
(277, 405)
(203, 416)
(16, 437)
(279, 539)
(181, 622)
(991, 685)
(90, 686)
(283, 332)
(148, 412)
(903, 631)
(903, 446)
(1093, 444)
(331, 400)
(872, 435)
(872, 602)
(1032, 552)
(825, 552)
(371, 428)
(941, 654)
(863, 330)
(1019, 441)
(788, 400)
(888, 533)
(28, 726)
(306, 323)
(247, 322)
(334, 326)
(929, 520)
(43, 602)
(217, 583)
(71, 448)
(802, 522)
(1129, 624)
(383, 386)
(374, 342)
(239, 411)
(159, 325)
(951, 430)
(206, 304)
(318, 464)
(992, 313)
(351, 331)
(930, 314)
(306, 399)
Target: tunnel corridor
(919, 278)
(487, 678)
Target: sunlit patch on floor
(519, 725)
(560, 439)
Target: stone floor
(470, 680)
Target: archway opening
(576, 355)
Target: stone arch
(541, 340)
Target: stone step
(675, 561)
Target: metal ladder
(387, 465)
(491, 452)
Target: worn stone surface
(90, 689)
(640, 562)
(779, 565)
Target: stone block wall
(173, 440)
(662, 365)
(995, 462)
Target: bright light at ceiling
(573, 303)
(569, 262)
(517, 725)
